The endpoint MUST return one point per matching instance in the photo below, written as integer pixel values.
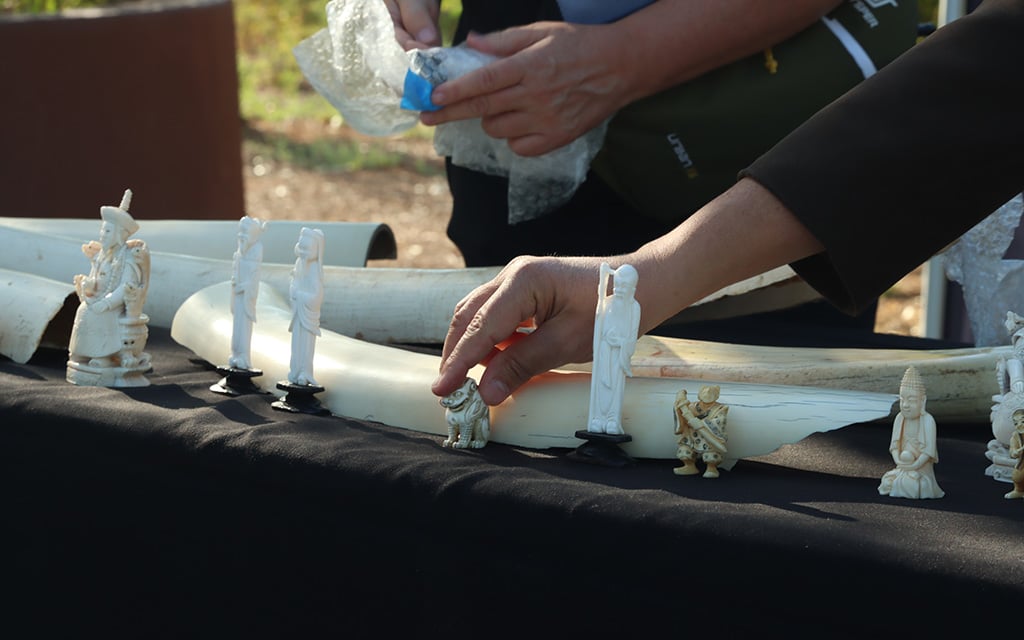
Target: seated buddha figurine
(913, 445)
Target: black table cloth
(170, 510)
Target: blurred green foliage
(50, 6)
(928, 10)
(272, 85)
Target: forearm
(908, 160)
(673, 41)
(742, 233)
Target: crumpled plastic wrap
(359, 67)
(991, 284)
(356, 64)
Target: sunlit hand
(556, 295)
(555, 82)
(416, 22)
(559, 295)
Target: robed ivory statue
(306, 293)
(245, 284)
(109, 334)
(616, 323)
(701, 427)
(914, 446)
(1010, 378)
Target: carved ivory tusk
(349, 244)
(29, 304)
(415, 305)
(379, 304)
(960, 382)
(392, 386)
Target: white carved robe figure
(111, 296)
(914, 446)
(245, 284)
(307, 295)
(616, 323)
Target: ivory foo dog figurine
(468, 417)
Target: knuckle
(490, 78)
(523, 263)
(478, 106)
(516, 372)
(464, 316)
(476, 324)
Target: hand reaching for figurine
(555, 82)
(556, 295)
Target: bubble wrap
(358, 66)
(991, 285)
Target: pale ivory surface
(415, 305)
(960, 382)
(376, 304)
(392, 386)
(28, 304)
(348, 244)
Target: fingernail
(437, 96)
(425, 35)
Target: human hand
(556, 295)
(554, 82)
(416, 22)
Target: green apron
(671, 153)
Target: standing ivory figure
(306, 292)
(245, 284)
(1010, 377)
(701, 430)
(913, 446)
(616, 323)
(110, 332)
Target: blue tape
(416, 93)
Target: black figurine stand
(300, 399)
(602, 449)
(237, 382)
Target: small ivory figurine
(110, 330)
(913, 446)
(701, 430)
(468, 417)
(616, 323)
(1010, 377)
(306, 293)
(245, 283)
(1016, 451)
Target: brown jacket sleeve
(910, 159)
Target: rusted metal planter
(143, 95)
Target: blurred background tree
(272, 85)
